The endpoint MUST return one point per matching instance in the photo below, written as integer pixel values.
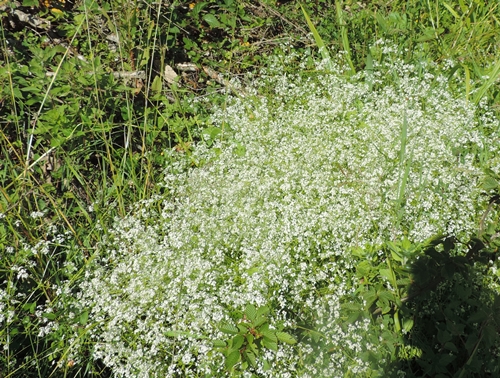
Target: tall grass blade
(319, 41)
(343, 33)
(495, 72)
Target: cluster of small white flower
(321, 165)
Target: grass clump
(305, 174)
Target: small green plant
(250, 335)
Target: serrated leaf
(269, 335)
(250, 338)
(237, 342)
(270, 344)
(396, 256)
(370, 297)
(229, 328)
(363, 269)
(211, 20)
(259, 321)
(386, 295)
(386, 273)
(232, 359)
(250, 357)
(263, 310)
(252, 347)
(350, 306)
(286, 338)
(250, 312)
(243, 327)
(219, 343)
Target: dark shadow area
(456, 330)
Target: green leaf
(237, 342)
(250, 312)
(370, 297)
(451, 346)
(406, 244)
(211, 20)
(84, 317)
(269, 335)
(363, 269)
(408, 324)
(493, 75)
(250, 338)
(232, 359)
(396, 256)
(270, 344)
(490, 183)
(219, 343)
(386, 273)
(250, 357)
(259, 321)
(156, 86)
(286, 338)
(229, 328)
(244, 327)
(49, 316)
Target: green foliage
(249, 336)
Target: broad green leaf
(286, 338)
(396, 256)
(387, 295)
(259, 321)
(386, 273)
(156, 86)
(263, 310)
(250, 312)
(370, 297)
(408, 324)
(273, 345)
(490, 183)
(450, 346)
(219, 343)
(211, 20)
(244, 327)
(84, 317)
(269, 335)
(237, 342)
(232, 359)
(49, 316)
(229, 328)
(363, 269)
(406, 244)
(250, 357)
(250, 338)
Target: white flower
(310, 171)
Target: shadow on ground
(456, 316)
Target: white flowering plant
(311, 196)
